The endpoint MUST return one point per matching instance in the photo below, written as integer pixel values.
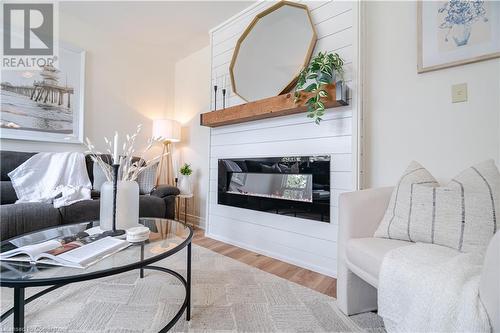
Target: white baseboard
(194, 220)
(300, 263)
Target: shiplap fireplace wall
(306, 243)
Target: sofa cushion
(151, 206)
(16, 219)
(89, 210)
(81, 211)
(367, 253)
(163, 191)
(7, 192)
(95, 194)
(11, 160)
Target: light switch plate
(459, 93)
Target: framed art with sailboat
(45, 104)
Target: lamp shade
(167, 129)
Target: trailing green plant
(323, 70)
(186, 170)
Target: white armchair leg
(353, 294)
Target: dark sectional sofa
(16, 219)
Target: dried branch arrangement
(130, 166)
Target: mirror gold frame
(259, 16)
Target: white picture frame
(75, 65)
(448, 38)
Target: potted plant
(184, 179)
(325, 68)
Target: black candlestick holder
(223, 98)
(114, 232)
(215, 97)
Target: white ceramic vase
(127, 205)
(184, 184)
(461, 34)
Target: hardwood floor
(319, 282)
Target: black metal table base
(20, 301)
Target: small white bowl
(137, 234)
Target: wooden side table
(185, 197)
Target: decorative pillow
(147, 179)
(461, 215)
(397, 220)
(99, 177)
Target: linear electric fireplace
(296, 186)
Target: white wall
(307, 243)
(409, 116)
(124, 85)
(192, 97)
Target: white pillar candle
(115, 150)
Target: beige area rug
(227, 296)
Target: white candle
(115, 150)
(224, 82)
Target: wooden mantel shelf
(271, 107)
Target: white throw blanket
(431, 288)
(58, 178)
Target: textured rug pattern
(226, 296)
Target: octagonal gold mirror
(272, 51)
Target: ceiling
(180, 26)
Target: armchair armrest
(489, 285)
(162, 191)
(360, 212)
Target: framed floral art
(457, 32)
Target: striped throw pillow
(147, 179)
(397, 221)
(461, 215)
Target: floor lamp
(170, 132)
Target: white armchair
(360, 255)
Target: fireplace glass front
(296, 186)
(276, 186)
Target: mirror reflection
(271, 52)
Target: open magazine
(74, 251)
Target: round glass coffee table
(167, 237)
